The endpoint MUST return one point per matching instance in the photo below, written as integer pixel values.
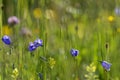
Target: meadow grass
(91, 27)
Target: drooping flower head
(74, 52)
(6, 39)
(38, 42)
(106, 65)
(31, 47)
(13, 20)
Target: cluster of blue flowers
(38, 42)
(35, 44)
(32, 46)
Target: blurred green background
(86, 25)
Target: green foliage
(87, 26)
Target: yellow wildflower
(51, 62)
(6, 30)
(37, 13)
(110, 18)
(50, 14)
(91, 68)
(15, 73)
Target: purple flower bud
(38, 42)
(6, 39)
(74, 52)
(31, 47)
(106, 65)
(13, 20)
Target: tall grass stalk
(1, 5)
(2, 73)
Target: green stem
(99, 44)
(1, 18)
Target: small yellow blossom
(15, 73)
(91, 68)
(51, 62)
(50, 14)
(37, 13)
(110, 18)
(6, 30)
